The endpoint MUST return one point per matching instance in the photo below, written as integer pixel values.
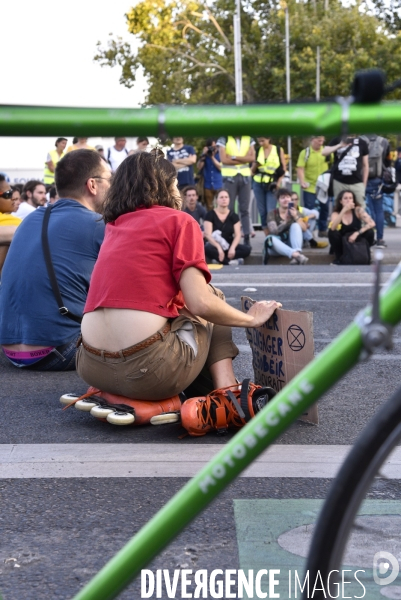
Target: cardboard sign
(281, 348)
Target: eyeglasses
(98, 177)
(7, 195)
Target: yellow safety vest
(232, 150)
(268, 165)
(48, 176)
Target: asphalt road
(60, 531)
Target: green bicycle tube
(277, 119)
(315, 379)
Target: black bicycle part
(368, 86)
(349, 489)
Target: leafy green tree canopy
(186, 49)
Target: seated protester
(152, 325)
(350, 219)
(286, 227)
(309, 216)
(7, 220)
(16, 197)
(192, 206)
(223, 233)
(34, 195)
(33, 332)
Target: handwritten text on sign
(281, 348)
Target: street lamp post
(238, 54)
(287, 78)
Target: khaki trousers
(165, 368)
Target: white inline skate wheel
(101, 412)
(86, 404)
(165, 418)
(120, 418)
(68, 398)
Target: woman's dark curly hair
(142, 180)
(337, 204)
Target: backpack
(324, 183)
(378, 149)
(356, 253)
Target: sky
(46, 57)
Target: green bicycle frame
(275, 119)
(298, 395)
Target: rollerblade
(120, 410)
(230, 407)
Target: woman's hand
(262, 311)
(353, 237)
(350, 205)
(221, 253)
(231, 253)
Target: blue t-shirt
(213, 179)
(185, 175)
(198, 214)
(28, 309)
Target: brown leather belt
(132, 349)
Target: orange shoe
(120, 410)
(230, 407)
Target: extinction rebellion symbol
(295, 338)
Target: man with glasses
(34, 333)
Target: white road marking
(247, 349)
(290, 285)
(169, 460)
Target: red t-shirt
(141, 260)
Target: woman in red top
(152, 324)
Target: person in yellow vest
(52, 159)
(268, 171)
(236, 154)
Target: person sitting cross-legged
(35, 332)
(286, 227)
(310, 217)
(348, 219)
(223, 233)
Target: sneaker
(301, 259)
(120, 410)
(236, 261)
(294, 261)
(323, 234)
(381, 244)
(335, 263)
(230, 407)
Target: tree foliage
(186, 48)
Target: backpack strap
(63, 310)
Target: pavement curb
(315, 258)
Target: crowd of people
(239, 168)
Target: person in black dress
(223, 233)
(348, 218)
